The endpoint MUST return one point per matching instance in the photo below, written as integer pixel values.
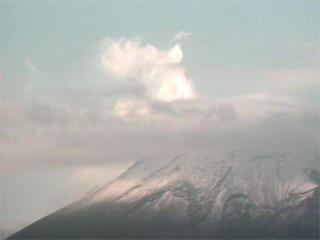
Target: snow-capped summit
(225, 196)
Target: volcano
(229, 196)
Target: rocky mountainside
(230, 196)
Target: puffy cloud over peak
(160, 71)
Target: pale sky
(89, 87)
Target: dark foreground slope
(245, 197)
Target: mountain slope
(231, 196)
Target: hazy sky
(89, 87)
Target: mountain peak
(235, 195)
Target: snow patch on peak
(266, 179)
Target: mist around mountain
(231, 196)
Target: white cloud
(180, 35)
(256, 106)
(131, 107)
(30, 65)
(296, 79)
(304, 47)
(160, 71)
